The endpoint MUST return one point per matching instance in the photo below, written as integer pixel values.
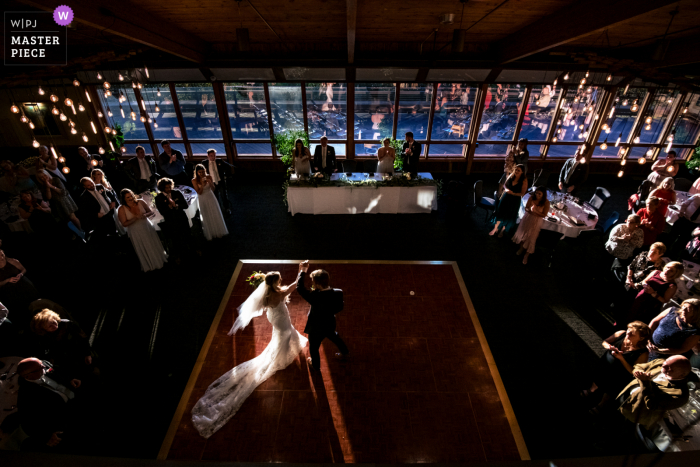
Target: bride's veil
(251, 308)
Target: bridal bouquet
(256, 279)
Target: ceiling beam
(570, 23)
(681, 52)
(352, 23)
(128, 20)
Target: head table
(560, 219)
(361, 199)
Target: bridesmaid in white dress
(133, 215)
(302, 156)
(386, 156)
(212, 221)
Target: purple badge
(63, 15)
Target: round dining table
(674, 210)
(565, 215)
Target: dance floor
(420, 384)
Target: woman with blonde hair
(676, 330)
(134, 214)
(666, 195)
(99, 177)
(658, 288)
(213, 223)
(227, 394)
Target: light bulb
(93, 161)
(123, 148)
(122, 111)
(158, 93)
(585, 135)
(87, 94)
(133, 115)
(623, 162)
(99, 75)
(642, 160)
(558, 130)
(580, 136)
(586, 73)
(580, 127)
(576, 100)
(605, 126)
(76, 83)
(626, 89)
(583, 81)
(607, 131)
(554, 83)
(108, 93)
(668, 148)
(53, 150)
(74, 131)
(71, 123)
(648, 120)
(85, 138)
(604, 146)
(595, 117)
(625, 102)
(634, 107)
(31, 124)
(23, 119)
(670, 137)
(609, 78)
(106, 85)
(73, 109)
(636, 140)
(138, 85)
(589, 90)
(81, 108)
(41, 91)
(149, 120)
(157, 109)
(99, 114)
(35, 143)
(94, 129)
(101, 150)
(155, 125)
(108, 130)
(121, 78)
(647, 127)
(580, 86)
(54, 98)
(670, 100)
(670, 168)
(650, 152)
(612, 112)
(566, 76)
(111, 146)
(65, 170)
(620, 173)
(14, 109)
(143, 119)
(623, 151)
(145, 69)
(554, 140)
(143, 105)
(55, 111)
(133, 84)
(63, 117)
(61, 159)
(109, 112)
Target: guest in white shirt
(220, 172)
(142, 171)
(624, 238)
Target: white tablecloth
(190, 196)
(564, 225)
(362, 200)
(673, 211)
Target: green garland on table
(314, 182)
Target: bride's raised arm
(288, 289)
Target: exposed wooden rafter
(352, 23)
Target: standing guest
(666, 194)
(653, 223)
(103, 185)
(324, 158)
(16, 290)
(302, 156)
(688, 219)
(134, 214)
(50, 163)
(58, 197)
(663, 168)
(692, 249)
(38, 213)
(658, 288)
(96, 208)
(15, 179)
(536, 210)
(386, 156)
(142, 171)
(574, 173)
(220, 172)
(172, 163)
(85, 163)
(624, 238)
(676, 330)
(212, 221)
(172, 205)
(411, 154)
(506, 213)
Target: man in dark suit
(81, 165)
(172, 205)
(96, 208)
(324, 158)
(411, 154)
(325, 304)
(220, 172)
(142, 171)
(574, 173)
(172, 164)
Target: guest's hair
(210, 151)
(86, 179)
(668, 181)
(124, 192)
(694, 305)
(197, 168)
(523, 140)
(95, 172)
(409, 133)
(84, 149)
(30, 193)
(41, 319)
(386, 139)
(671, 152)
(658, 246)
(543, 190)
(652, 200)
(141, 148)
(324, 137)
(164, 142)
(271, 279)
(678, 270)
(643, 330)
(296, 148)
(321, 277)
(163, 182)
(634, 219)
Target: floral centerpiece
(255, 279)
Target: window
(501, 112)
(610, 152)
(655, 118)
(254, 149)
(327, 110)
(339, 148)
(122, 115)
(44, 121)
(179, 146)
(200, 149)
(245, 103)
(162, 110)
(447, 150)
(687, 126)
(286, 107)
(624, 115)
(374, 111)
(562, 150)
(454, 105)
(539, 113)
(414, 110)
(131, 148)
(577, 113)
(638, 151)
(199, 110)
(490, 150)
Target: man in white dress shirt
(142, 171)
(324, 158)
(220, 172)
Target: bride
(226, 395)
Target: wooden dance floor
(420, 384)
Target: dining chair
(682, 184)
(369, 166)
(348, 166)
(487, 204)
(606, 227)
(599, 198)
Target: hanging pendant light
(133, 84)
(647, 127)
(586, 73)
(121, 78)
(35, 143)
(71, 123)
(617, 143)
(14, 109)
(589, 90)
(55, 111)
(143, 119)
(145, 69)
(87, 94)
(85, 138)
(150, 120)
(106, 85)
(108, 130)
(623, 150)
(604, 146)
(636, 140)
(620, 173)
(99, 75)
(63, 117)
(634, 107)
(123, 148)
(108, 93)
(62, 159)
(623, 162)
(580, 127)
(74, 131)
(138, 85)
(624, 93)
(31, 124)
(609, 78)
(612, 112)
(670, 100)
(76, 83)
(555, 82)
(65, 170)
(100, 114)
(647, 120)
(608, 131)
(133, 115)
(554, 140)
(650, 152)
(41, 91)
(111, 146)
(583, 80)
(121, 109)
(605, 126)
(94, 128)
(157, 108)
(158, 93)
(155, 124)
(101, 150)
(53, 98)
(109, 112)
(143, 105)
(642, 160)
(81, 108)
(566, 76)
(23, 118)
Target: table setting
(674, 210)
(9, 214)
(567, 214)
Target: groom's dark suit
(320, 323)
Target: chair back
(370, 166)
(682, 184)
(348, 166)
(599, 198)
(610, 222)
(644, 189)
(478, 187)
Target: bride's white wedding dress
(226, 395)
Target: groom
(325, 303)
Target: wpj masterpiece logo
(37, 37)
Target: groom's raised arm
(301, 288)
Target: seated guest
(676, 330)
(63, 344)
(529, 228)
(324, 158)
(653, 223)
(172, 164)
(96, 208)
(50, 163)
(386, 156)
(213, 223)
(506, 214)
(301, 158)
(623, 350)
(692, 249)
(15, 179)
(574, 173)
(220, 171)
(16, 290)
(56, 194)
(658, 386)
(134, 214)
(82, 166)
(38, 213)
(666, 195)
(142, 171)
(663, 168)
(624, 238)
(172, 205)
(658, 288)
(688, 219)
(638, 270)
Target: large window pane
(162, 110)
(132, 129)
(625, 113)
(199, 111)
(659, 111)
(638, 151)
(556, 150)
(610, 152)
(370, 149)
(326, 105)
(540, 111)
(200, 149)
(374, 110)
(688, 124)
(491, 150)
(254, 149)
(501, 112)
(454, 105)
(245, 103)
(447, 150)
(414, 110)
(577, 113)
(286, 106)
(131, 148)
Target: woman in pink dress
(536, 210)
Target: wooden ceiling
(619, 36)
